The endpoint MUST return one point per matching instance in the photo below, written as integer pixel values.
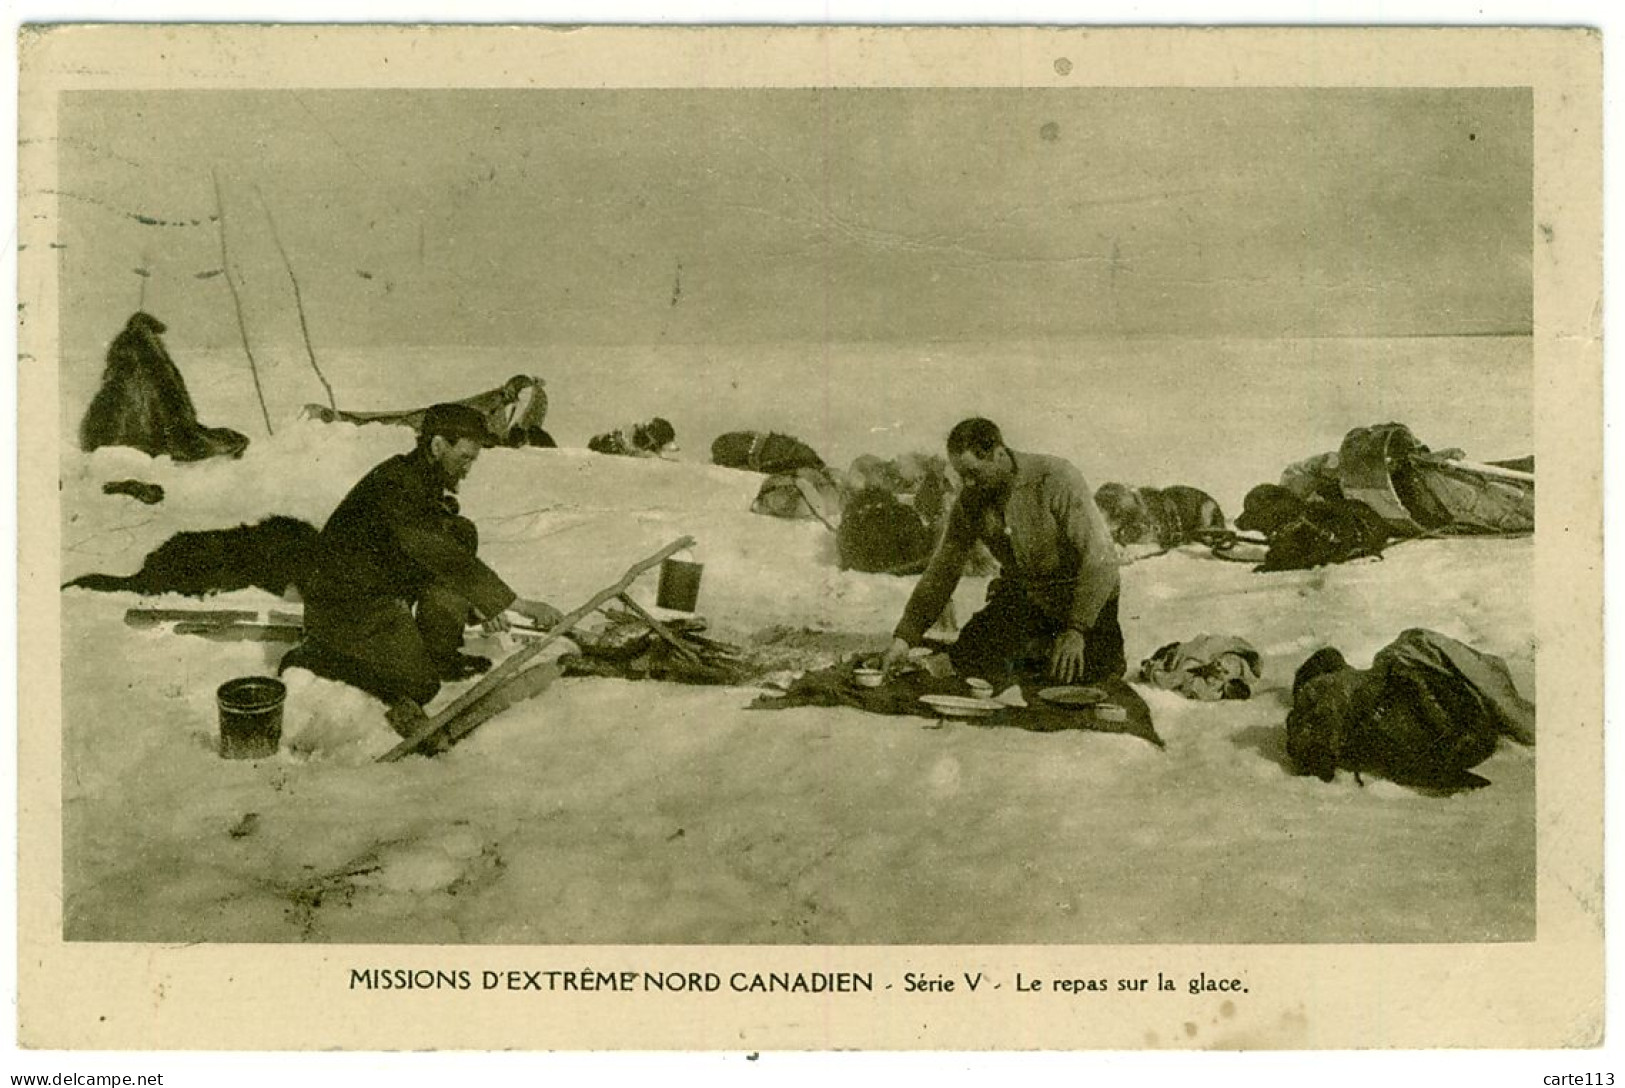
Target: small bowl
(868, 678)
(979, 687)
(1111, 712)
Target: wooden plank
(242, 632)
(154, 617)
(1494, 471)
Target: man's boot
(461, 666)
(406, 717)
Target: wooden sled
(511, 682)
(516, 407)
(1384, 466)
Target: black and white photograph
(1031, 513)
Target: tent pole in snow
(236, 299)
(515, 661)
(298, 299)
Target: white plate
(1073, 696)
(961, 706)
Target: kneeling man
(1058, 574)
(396, 576)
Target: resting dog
(655, 438)
(806, 493)
(1166, 517)
(880, 535)
(918, 482)
(920, 476)
(271, 555)
(763, 451)
(1303, 535)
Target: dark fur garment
(139, 490)
(143, 402)
(271, 555)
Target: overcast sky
(509, 218)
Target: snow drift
(621, 812)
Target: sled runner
(221, 624)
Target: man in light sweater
(1057, 587)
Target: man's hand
(540, 613)
(1066, 659)
(896, 654)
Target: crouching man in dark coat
(1058, 575)
(396, 577)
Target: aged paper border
(1546, 993)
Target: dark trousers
(1011, 637)
(389, 647)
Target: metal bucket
(679, 585)
(250, 716)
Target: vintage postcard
(810, 538)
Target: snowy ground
(618, 812)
